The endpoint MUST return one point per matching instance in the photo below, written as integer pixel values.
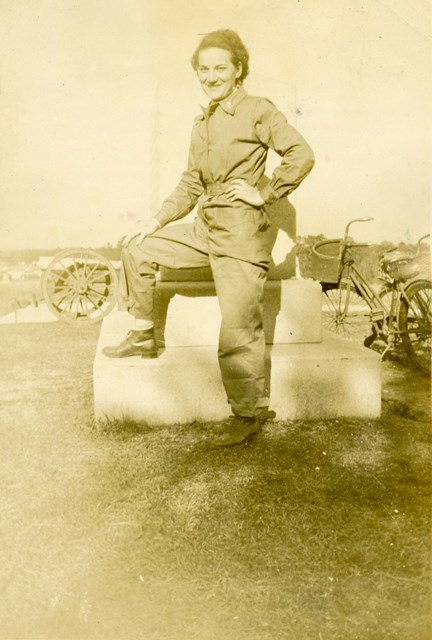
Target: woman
(228, 151)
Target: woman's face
(216, 73)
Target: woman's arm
(184, 197)
(178, 204)
(298, 159)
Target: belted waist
(216, 188)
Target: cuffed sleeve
(298, 159)
(268, 194)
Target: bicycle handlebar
(417, 253)
(359, 244)
(368, 244)
(423, 238)
(352, 222)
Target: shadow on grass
(312, 528)
(114, 530)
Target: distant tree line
(368, 258)
(17, 256)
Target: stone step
(187, 313)
(331, 379)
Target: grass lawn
(19, 293)
(314, 531)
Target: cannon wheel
(80, 286)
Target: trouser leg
(179, 246)
(240, 289)
(137, 283)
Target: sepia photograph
(215, 320)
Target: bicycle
(398, 313)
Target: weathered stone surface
(307, 381)
(187, 313)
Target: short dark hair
(228, 40)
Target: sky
(97, 99)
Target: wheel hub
(81, 287)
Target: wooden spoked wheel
(80, 286)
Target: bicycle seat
(399, 265)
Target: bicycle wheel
(80, 286)
(415, 323)
(345, 312)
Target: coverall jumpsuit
(230, 140)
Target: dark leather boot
(136, 343)
(266, 415)
(239, 430)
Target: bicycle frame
(398, 313)
(382, 317)
(384, 320)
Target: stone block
(187, 313)
(331, 379)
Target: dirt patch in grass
(315, 530)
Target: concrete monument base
(187, 314)
(331, 379)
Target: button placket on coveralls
(239, 282)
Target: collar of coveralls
(228, 104)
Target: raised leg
(178, 246)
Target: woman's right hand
(150, 228)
